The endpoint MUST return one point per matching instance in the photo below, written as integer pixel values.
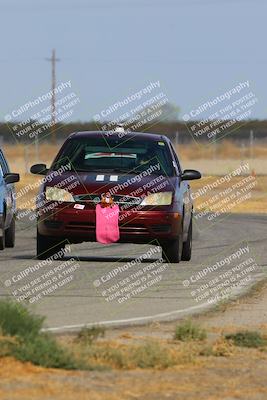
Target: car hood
(116, 183)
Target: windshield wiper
(88, 170)
(126, 171)
(105, 170)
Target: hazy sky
(110, 49)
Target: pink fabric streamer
(107, 224)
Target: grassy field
(20, 157)
(228, 157)
(253, 186)
(187, 360)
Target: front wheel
(48, 247)
(172, 250)
(2, 239)
(2, 234)
(10, 234)
(187, 246)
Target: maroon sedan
(141, 172)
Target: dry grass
(147, 368)
(17, 155)
(148, 353)
(212, 199)
(224, 149)
(21, 157)
(210, 371)
(216, 380)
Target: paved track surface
(97, 279)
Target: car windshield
(132, 156)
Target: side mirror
(11, 178)
(190, 174)
(39, 169)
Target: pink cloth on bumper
(107, 224)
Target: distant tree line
(11, 133)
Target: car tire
(187, 246)
(171, 251)
(2, 239)
(10, 234)
(48, 247)
(2, 235)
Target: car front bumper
(135, 226)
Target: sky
(111, 49)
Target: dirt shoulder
(229, 373)
(242, 376)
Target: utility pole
(214, 141)
(176, 139)
(251, 144)
(53, 61)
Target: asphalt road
(126, 284)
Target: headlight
(157, 199)
(56, 194)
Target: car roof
(107, 134)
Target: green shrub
(247, 339)
(89, 335)
(25, 342)
(45, 351)
(189, 331)
(152, 355)
(114, 356)
(16, 320)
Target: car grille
(130, 228)
(118, 199)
